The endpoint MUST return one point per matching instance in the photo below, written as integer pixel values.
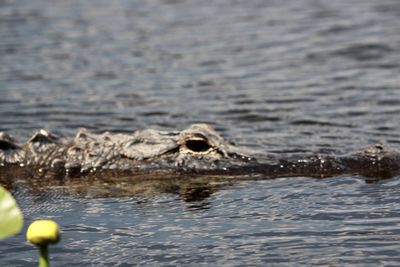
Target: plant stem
(44, 256)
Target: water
(280, 77)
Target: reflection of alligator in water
(198, 150)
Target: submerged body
(196, 150)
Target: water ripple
(287, 78)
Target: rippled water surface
(280, 77)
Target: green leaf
(11, 219)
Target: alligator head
(198, 148)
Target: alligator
(197, 150)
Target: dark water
(280, 77)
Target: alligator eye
(198, 145)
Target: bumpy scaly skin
(198, 149)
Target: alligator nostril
(197, 145)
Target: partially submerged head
(197, 148)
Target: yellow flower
(43, 232)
